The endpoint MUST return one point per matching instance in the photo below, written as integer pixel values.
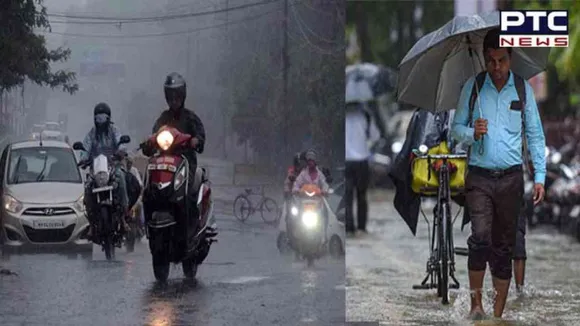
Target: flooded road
(383, 266)
(244, 281)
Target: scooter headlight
(556, 158)
(310, 219)
(102, 178)
(164, 140)
(179, 178)
(396, 147)
(294, 210)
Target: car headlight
(102, 178)
(79, 205)
(179, 178)
(294, 210)
(164, 140)
(12, 205)
(396, 147)
(310, 219)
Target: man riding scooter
(311, 175)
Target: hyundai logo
(48, 211)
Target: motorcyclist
(180, 118)
(104, 139)
(311, 175)
(187, 122)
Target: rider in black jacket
(177, 116)
(184, 120)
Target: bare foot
(477, 313)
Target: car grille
(48, 211)
(54, 235)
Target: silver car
(42, 198)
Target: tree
(386, 30)
(314, 114)
(23, 53)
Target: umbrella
(367, 81)
(433, 72)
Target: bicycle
(244, 207)
(441, 262)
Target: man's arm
(117, 136)
(535, 136)
(199, 130)
(460, 129)
(88, 145)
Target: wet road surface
(244, 281)
(383, 266)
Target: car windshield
(52, 127)
(36, 129)
(42, 164)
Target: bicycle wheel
(242, 208)
(444, 264)
(269, 210)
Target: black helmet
(175, 86)
(102, 108)
(102, 115)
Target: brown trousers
(494, 201)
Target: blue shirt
(503, 141)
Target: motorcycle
(103, 183)
(180, 230)
(305, 231)
(548, 210)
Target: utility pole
(285, 67)
(226, 108)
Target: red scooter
(177, 205)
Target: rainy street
(244, 281)
(382, 268)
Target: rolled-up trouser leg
(508, 197)
(520, 247)
(479, 205)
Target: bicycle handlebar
(442, 156)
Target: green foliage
(566, 60)
(23, 53)
(314, 113)
(397, 18)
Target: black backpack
(133, 188)
(520, 89)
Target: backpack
(520, 89)
(133, 188)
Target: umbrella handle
(481, 150)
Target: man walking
(494, 184)
(360, 130)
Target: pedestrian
(494, 183)
(360, 130)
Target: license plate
(48, 224)
(308, 207)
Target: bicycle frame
(441, 263)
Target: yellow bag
(426, 183)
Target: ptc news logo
(534, 28)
